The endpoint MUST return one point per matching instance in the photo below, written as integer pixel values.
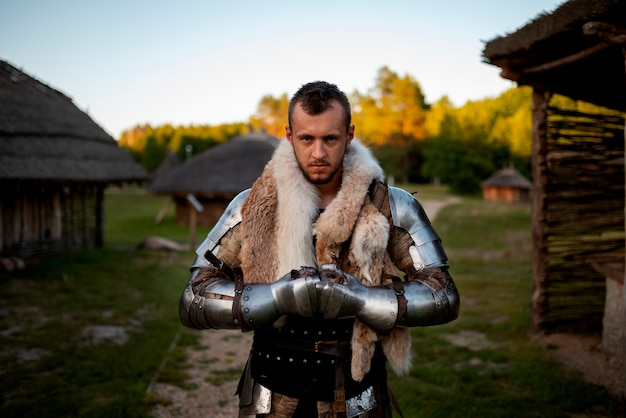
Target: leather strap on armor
(237, 313)
(398, 287)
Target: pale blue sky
(210, 62)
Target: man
(308, 259)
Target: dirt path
(222, 362)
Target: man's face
(319, 143)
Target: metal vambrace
(222, 305)
(212, 309)
(426, 306)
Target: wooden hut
(215, 176)
(576, 51)
(507, 185)
(55, 163)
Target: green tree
(392, 114)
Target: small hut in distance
(507, 185)
(215, 176)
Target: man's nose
(319, 153)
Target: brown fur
(277, 235)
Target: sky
(197, 62)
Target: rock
(160, 243)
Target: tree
(271, 115)
(392, 114)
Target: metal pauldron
(408, 214)
(228, 220)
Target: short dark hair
(316, 97)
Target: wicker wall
(578, 213)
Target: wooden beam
(605, 32)
(566, 60)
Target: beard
(319, 180)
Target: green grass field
(482, 365)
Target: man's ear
(288, 134)
(350, 133)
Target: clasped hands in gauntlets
(329, 292)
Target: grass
(482, 365)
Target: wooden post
(623, 313)
(541, 99)
(193, 220)
(194, 208)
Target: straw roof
(508, 177)
(45, 137)
(223, 170)
(554, 52)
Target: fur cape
(280, 219)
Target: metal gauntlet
(292, 294)
(341, 295)
(221, 304)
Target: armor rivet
(392, 313)
(246, 298)
(267, 356)
(248, 288)
(250, 320)
(306, 332)
(319, 361)
(278, 358)
(291, 360)
(332, 361)
(334, 332)
(319, 332)
(246, 310)
(236, 321)
(304, 360)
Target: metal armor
(219, 301)
(304, 293)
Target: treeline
(415, 141)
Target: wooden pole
(541, 99)
(193, 220)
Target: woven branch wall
(583, 189)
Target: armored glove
(412, 303)
(341, 295)
(295, 293)
(225, 303)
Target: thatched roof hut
(216, 176)
(576, 51)
(578, 163)
(507, 185)
(55, 162)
